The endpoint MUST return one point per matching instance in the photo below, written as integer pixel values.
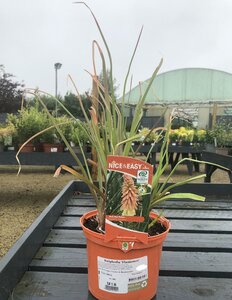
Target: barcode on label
(137, 278)
(111, 288)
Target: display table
(219, 159)
(39, 158)
(175, 154)
(195, 264)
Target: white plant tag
(122, 276)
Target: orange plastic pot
(119, 272)
(52, 147)
(29, 147)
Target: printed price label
(122, 276)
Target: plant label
(128, 192)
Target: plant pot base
(153, 298)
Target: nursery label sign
(131, 166)
(122, 276)
(128, 191)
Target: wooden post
(94, 96)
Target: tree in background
(49, 101)
(72, 103)
(10, 92)
(115, 85)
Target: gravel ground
(23, 197)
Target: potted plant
(147, 136)
(125, 246)
(27, 123)
(174, 137)
(78, 136)
(184, 136)
(124, 239)
(210, 141)
(217, 138)
(199, 137)
(121, 242)
(221, 137)
(6, 132)
(50, 139)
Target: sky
(185, 33)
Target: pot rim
(101, 236)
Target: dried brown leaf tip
(93, 115)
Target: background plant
(148, 135)
(220, 135)
(199, 136)
(27, 122)
(6, 133)
(190, 135)
(78, 134)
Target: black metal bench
(175, 152)
(219, 159)
(196, 261)
(39, 158)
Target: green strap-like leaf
(178, 196)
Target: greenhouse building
(201, 96)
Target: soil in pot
(156, 229)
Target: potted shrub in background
(2, 138)
(221, 132)
(50, 140)
(27, 123)
(210, 141)
(78, 136)
(199, 137)
(147, 136)
(217, 138)
(6, 133)
(173, 137)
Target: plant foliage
(105, 127)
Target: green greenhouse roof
(185, 86)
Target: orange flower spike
(129, 196)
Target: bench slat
(220, 204)
(169, 213)
(75, 260)
(76, 238)
(58, 286)
(181, 225)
